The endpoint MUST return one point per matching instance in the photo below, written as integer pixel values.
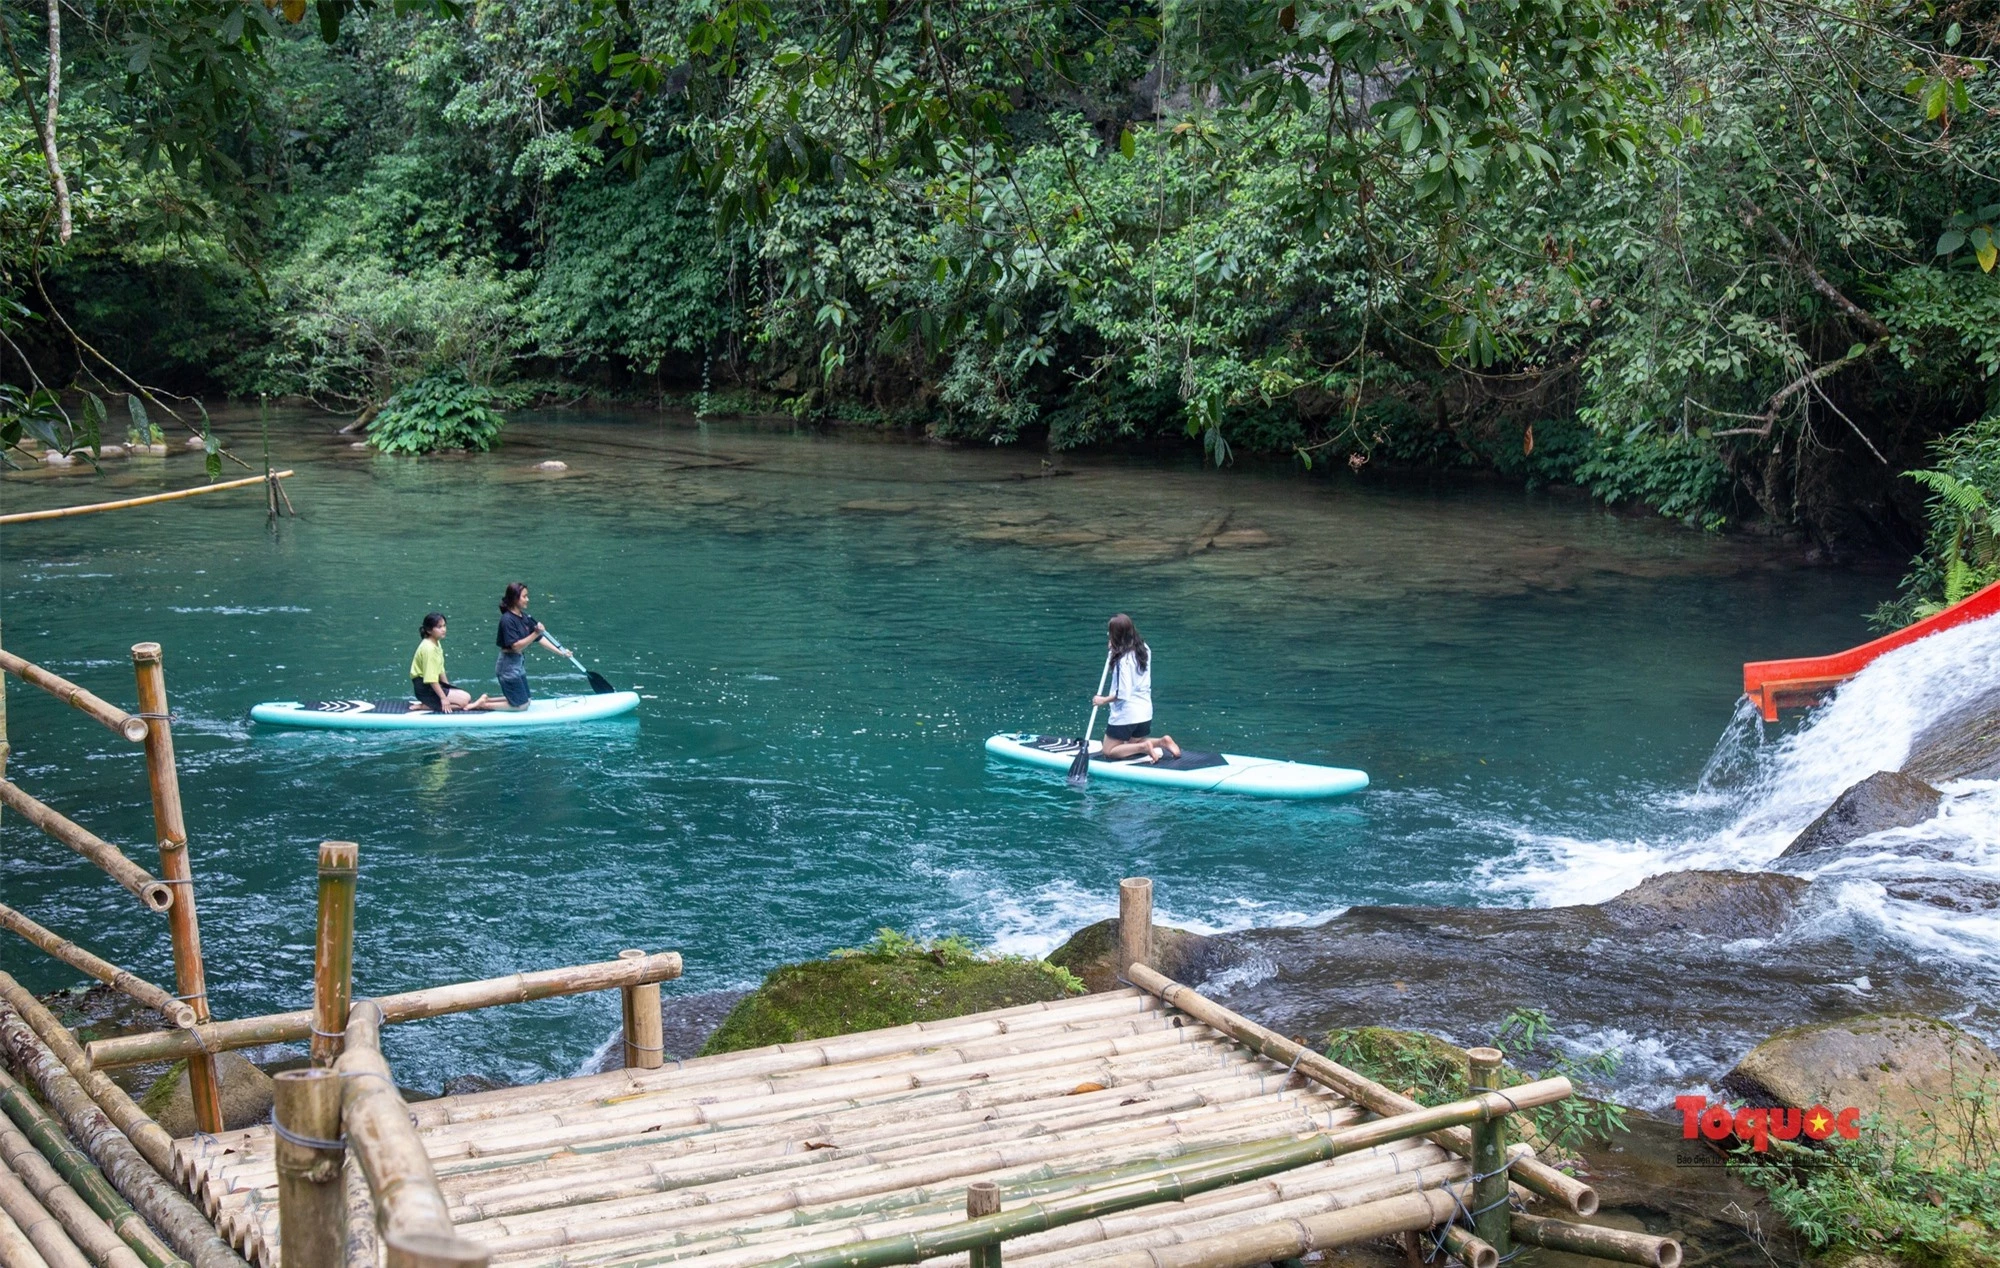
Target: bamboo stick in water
(65, 512)
(435, 1001)
(128, 725)
(137, 879)
(134, 987)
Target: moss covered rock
(1092, 954)
(246, 1096)
(1420, 1066)
(890, 984)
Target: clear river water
(824, 630)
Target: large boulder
(1963, 744)
(1092, 954)
(873, 990)
(246, 1096)
(1711, 904)
(1919, 1073)
(1887, 799)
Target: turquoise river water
(824, 631)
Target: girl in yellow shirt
(434, 691)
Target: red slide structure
(1783, 684)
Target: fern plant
(440, 411)
(1962, 545)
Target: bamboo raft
(750, 1157)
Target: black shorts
(1131, 731)
(429, 694)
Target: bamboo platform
(746, 1158)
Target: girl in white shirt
(1130, 696)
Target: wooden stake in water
(312, 1194)
(171, 830)
(1489, 1155)
(333, 948)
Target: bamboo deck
(742, 1159)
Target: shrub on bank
(440, 411)
(893, 981)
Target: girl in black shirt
(518, 631)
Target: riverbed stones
(1092, 954)
(111, 451)
(246, 1096)
(195, 442)
(56, 458)
(1887, 799)
(552, 465)
(1919, 1073)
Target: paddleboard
(1192, 771)
(402, 715)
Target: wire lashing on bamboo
(312, 1194)
(645, 1027)
(163, 778)
(1489, 1155)
(333, 948)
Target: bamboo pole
(190, 979)
(364, 1244)
(95, 1186)
(333, 948)
(16, 1251)
(312, 1195)
(1252, 1163)
(27, 1028)
(41, 1228)
(1489, 1155)
(413, 1217)
(1135, 924)
(433, 1001)
(645, 1028)
(103, 970)
(1470, 1250)
(65, 512)
(1601, 1243)
(128, 725)
(1290, 1239)
(85, 1227)
(137, 879)
(982, 1197)
(1538, 1176)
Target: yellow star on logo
(1818, 1122)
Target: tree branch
(56, 178)
(1866, 320)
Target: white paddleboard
(1192, 771)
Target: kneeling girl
(1131, 696)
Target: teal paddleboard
(400, 715)
(1191, 771)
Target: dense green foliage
(893, 981)
(1734, 264)
(440, 411)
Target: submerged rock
(1092, 954)
(1711, 904)
(1919, 1073)
(552, 465)
(870, 991)
(246, 1096)
(1887, 799)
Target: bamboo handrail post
(645, 1027)
(982, 1197)
(131, 726)
(333, 948)
(1489, 1155)
(312, 1194)
(432, 1001)
(1601, 1243)
(92, 508)
(1135, 924)
(171, 829)
(138, 880)
(126, 984)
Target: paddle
(598, 683)
(1079, 770)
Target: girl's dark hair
(431, 621)
(1125, 638)
(512, 595)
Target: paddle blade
(1079, 770)
(598, 682)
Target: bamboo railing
(155, 894)
(64, 512)
(103, 970)
(434, 1001)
